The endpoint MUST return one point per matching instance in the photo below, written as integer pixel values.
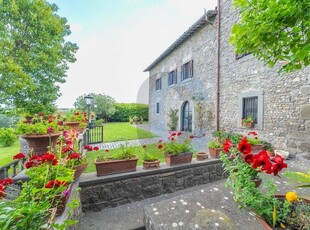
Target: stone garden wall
(98, 193)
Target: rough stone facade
(98, 193)
(285, 107)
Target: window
(158, 84)
(172, 77)
(187, 70)
(250, 107)
(238, 56)
(157, 108)
(252, 104)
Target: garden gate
(95, 134)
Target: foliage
(76, 116)
(253, 139)
(7, 121)
(267, 146)
(178, 143)
(173, 119)
(34, 54)
(125, 110)
(105, 105)
(300, 178)
(126, 152)
(7, 137)
(274, 31)
(99, 122)
(248, 120)
(215, 144)
(147, 155)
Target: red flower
(279, 165)
(173, 134)
(106, 150)
(191, 136)
(6, 181)
(172, 139)
(227, 145)
(159, 146)
(262, 159)
(60, 123)
(254, 133)
(248, 158)
(144, 146)
(35, 158)
(244, 146)
(179, 133)
(19, 156)
(50, 130)
(160, 141)
(54, 162)
(2, 194)
(41, 114)
(75, 156)
(55, 184)
(96, 148)
(88, 148)
(48, 157)
(29, 164)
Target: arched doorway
(186, 117)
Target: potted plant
(173, 119)
(178, 150)
(72, 121)
(248, 122)
(136, 119)
(120, 162)
(267, 146)
(150, 161)
(242, 166)
(40, 134)
(215, 148)
(253, 139)
(130, 120)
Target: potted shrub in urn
(173, 119)
(72, 121)
(215, 148)
(253, 139)
(178, 150)
(267, 146)
(40, 134)
(150, 161)
(120, 162)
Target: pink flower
(50, 130)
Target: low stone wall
(98, 193)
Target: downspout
(218, 67)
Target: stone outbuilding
(212, 88)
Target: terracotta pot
(79, 170)
(28, 119)
(181, 158)
(257, 181)
(115, 166)
(39, 143)
(61, 201)
(270, 154)
(72, 125)
(201, 156)
(280, 197)
(215, 153)
(151, 164)
(248, 125)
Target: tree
(103, 105)
(274, 31)
(34, 55)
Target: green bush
(125, 110)
(7, 137)
(6, 121)
(99, 122)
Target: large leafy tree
(103, 105)
(34, 54)
(274, 31)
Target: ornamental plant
(147, 156)
(242, 166)
(247, 120)
(177, 143)
(77, 116)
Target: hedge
(125, 110)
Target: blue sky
(118, 39)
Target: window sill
(158, 90)
(171, 86)
(186, 80)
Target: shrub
(7, 137)
(125, 110)
(173, 119)
(99, 122)
(6, 122)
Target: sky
(117, 40)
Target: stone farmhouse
(201, 67)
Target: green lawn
(7, 153)
(123, 131)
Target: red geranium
(55, 184)
(19, 156)
(160, 146)
(29, 164)
(2, 194)
(88, 148)
(179, 133)
(6, 181)
(227, 145)
(279, 165)
(96, 148)
(75, 156)
(191, 136)
(107, 150)
(244, 146)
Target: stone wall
(98, 193)
(201, 49)
(283, 101)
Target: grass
(7, 153)
(123, 131)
